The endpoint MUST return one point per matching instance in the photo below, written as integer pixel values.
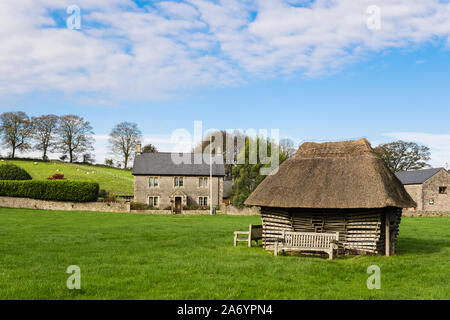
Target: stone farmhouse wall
(416, 192)
(142, 190)
(428, 193)
(431, 191)
(25, 203)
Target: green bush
(56, 190)
(142, 206)
(13, 172)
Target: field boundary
(26, 203)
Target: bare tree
(149, 148)
(287, 147)
(124, 139)
(74, 136)
(404, 156)
(16, 130)
(231, 145)
(44, 128)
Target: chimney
(139, 151)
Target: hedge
(13, 172)
(56, 190)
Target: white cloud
(128, 52)
(438, 143)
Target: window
(203, 182)
(153, 201)
(431, 201)
(178, 181)
(203, 201)
(442, 190)
(153, 182)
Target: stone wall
(243, 211)
(431, 192)
(415, 191)
(170, 212)
(25, 203)
(409, 213)
(142, 190)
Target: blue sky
(237, 65)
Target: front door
(178, 204)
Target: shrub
(13, 172)
(56, 176)
(110, 198)
(103, 193)
(142, 206)
(194, 207)
(56, 190)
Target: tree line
(70, 135)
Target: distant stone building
(162, 183)
(429, 188)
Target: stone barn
(334, 187)
(429, 188)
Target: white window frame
(153, 201)
(178, 182)
(201, 181)
(200, 202)
(153, 177)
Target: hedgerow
(13, 172)
(56, 190)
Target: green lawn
(132, 256)
(117, 181)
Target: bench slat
(303, 241)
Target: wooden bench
(254, 233)
(307, 241)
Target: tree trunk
(13, 154)
(70, 156)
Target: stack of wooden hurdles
(360, 231)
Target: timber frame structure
(334, 187)
(360, 231)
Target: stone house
(429, 188)
(163, 183)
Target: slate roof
(161, 163)
(417, 177)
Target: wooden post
(387, 235)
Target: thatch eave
(337, 175)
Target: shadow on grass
(420, 246)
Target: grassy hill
(116, 181)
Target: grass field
(116, 181)
(132, 256)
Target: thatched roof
(332, 175)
